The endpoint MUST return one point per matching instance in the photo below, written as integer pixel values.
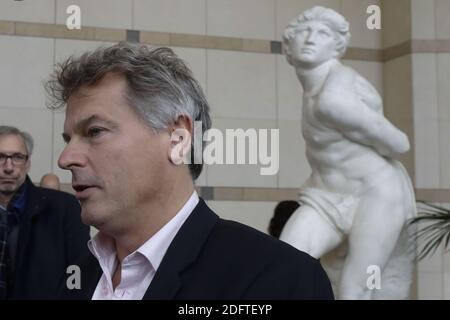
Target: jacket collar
(183, 250)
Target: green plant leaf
(435, 234)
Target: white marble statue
(358, 199)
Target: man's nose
(72, 156)
(8, 166)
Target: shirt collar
(103, 248)
(155, 248)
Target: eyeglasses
(16, 158)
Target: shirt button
(105, 291)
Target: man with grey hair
(357, 194)
(40, 230)
(157, 239)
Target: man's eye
(18, 157)
(94, 132)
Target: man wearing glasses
(40, 229)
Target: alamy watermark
(374, 280)
(373, 22)
(73, 22)
(74, 279)
(236, 146)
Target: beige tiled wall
(444, 141)
(34, 58)
(443, 85)
(30, 11)
(178, 16)
(431, 80)
(396, 19)
(426, 127)
(241, 84)
(423, 20)
(442, 8)
(237, 18)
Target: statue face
(313, 44)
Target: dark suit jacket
(51, 237)
(211, 258)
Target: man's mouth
(83, 191)
(7, 180)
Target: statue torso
(337, 163)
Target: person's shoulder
(258, 245)
(269, 267)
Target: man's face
(118, 164)
(313, 44)
(12, 175)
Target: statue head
(301, 32)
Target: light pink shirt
(139, 267)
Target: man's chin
(8, 189)
(92, 217)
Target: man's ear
(181, 140)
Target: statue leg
(309, 232)
(377, 225)
(398, 274)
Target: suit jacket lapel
(90, 276)
(183, 250)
